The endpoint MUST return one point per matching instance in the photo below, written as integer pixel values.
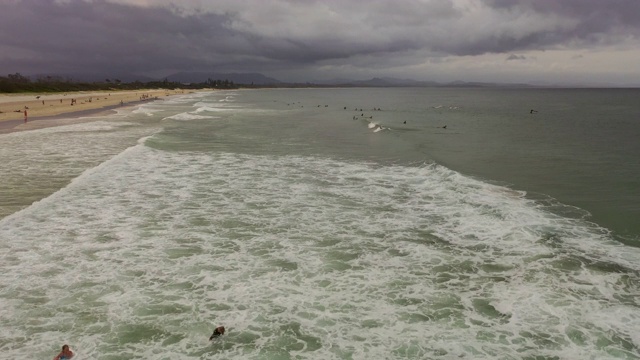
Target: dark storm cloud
(84, 36)
(594, 15)
(225, 35)
(99, 35)
(566, 23)
(594, 21)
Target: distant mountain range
(237, 78)
(182, 77)
(395, 82)
(376, 82)
(258, 79)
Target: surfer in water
(65, 354)
(217, 332)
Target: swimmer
(65, 354)
(217, 332)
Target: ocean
(400, 223)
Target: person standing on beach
(25, 115)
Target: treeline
(17, 83)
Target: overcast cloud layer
(536, 41)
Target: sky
(553, 42)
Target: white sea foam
(313, 257)
(209, 106)
(187, 116)
(188, 98)
(207, 109)
(146, 110)
(376, 127)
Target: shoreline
(39, 122)
(59, 109)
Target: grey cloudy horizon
(534, 41)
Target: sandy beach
(54, 107)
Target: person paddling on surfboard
(217, 332)
(65, 354)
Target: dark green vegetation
(17, 83)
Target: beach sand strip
(65, 108)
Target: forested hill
(17, 83)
